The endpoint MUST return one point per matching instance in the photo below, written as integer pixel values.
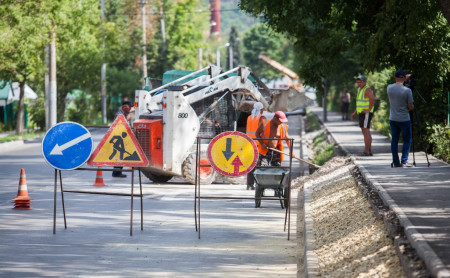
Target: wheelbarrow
(271, 178)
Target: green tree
(79, 50)
(20, 61)
(261, 39)
(185, 34)
(231, 16)
(235, 44)
(375, 35)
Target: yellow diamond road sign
(119, 147)
(232, 153)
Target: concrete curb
(434, 264)
(432, 261)
(311, 261)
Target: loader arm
(239, 84)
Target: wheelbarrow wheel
(258, 194)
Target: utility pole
(52, 81)
(218, 53)
(163, 35)
(47, 87)
(103, 72)
(230, 56)
(324, 98)
(144, 43)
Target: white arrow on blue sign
(67, 146)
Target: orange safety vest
(283, 130)
(252, 126)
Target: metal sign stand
(198, 197)
(97, 192)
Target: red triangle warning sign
(119, 147)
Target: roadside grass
(311, 122)
(24, 136)
(322, 149)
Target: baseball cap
(361, 77)
(400, 73)
(281, 116)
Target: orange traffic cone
(99, 179)
(22, 201)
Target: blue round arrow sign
(67, 146)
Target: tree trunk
(445, 8)
(21, 110)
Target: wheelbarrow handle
(293, 156)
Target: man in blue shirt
(401, 102)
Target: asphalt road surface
(237, 240)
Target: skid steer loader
(169, 118)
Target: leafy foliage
(232, 16)
(440, 140)
(261, 39)
(337, 40)
(184, 37)
(235, 44)
(21, 62)
(37, 113)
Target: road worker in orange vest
(275, 128)
(253, 122)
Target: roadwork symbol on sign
(232, 153)
(119, 147)
(67, 145)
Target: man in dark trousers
(253, 122)
(272, 130)
(124, 110)
(401, 102)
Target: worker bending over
(274, 128)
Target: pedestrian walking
(345, 103)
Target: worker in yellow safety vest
(365, 102)
(253, 121)
(272, 131)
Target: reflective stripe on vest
(362, 102)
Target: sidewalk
(419, 196)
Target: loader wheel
(155, 177)
(207, 174)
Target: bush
(37, 113)
(440, 141)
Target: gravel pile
(349, 240)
